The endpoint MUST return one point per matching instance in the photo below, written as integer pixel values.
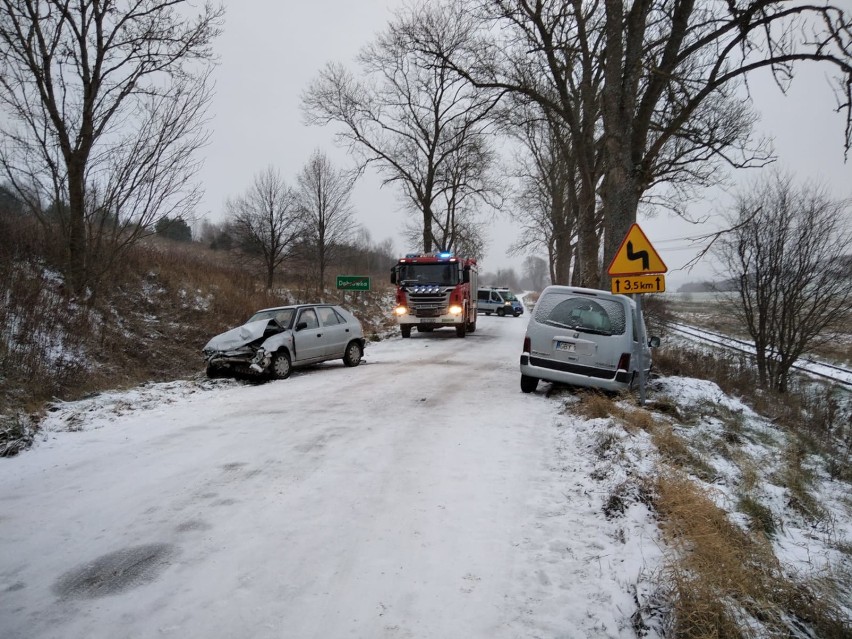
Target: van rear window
(581, 313)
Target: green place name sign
(353, 282)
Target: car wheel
(528, 384)
(281, 367)
(353, 354)
(406, 330)
(517, 314)
(215, 372)
(500, 312)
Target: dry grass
(726, 582)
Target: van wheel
(406, 330)
(500, 312)
(528, 384)
(353, 354)
(280, 367)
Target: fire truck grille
(430, 304)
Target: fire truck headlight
(400, 310)
(455, 309)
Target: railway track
(839, 374)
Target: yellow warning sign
(636, 256)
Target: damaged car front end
(247, 349)
(275, 340)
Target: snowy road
(420, 495)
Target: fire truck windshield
(440, 274)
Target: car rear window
(586, 314)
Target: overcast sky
(270, 50)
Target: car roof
(590, 292)
(295, 306)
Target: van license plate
(566, 346)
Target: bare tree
(106, 103)
(789, 255)
(419, 123)
(535, 272)
(546, 204)
(324, 201)
(267, 221)
(654, 81)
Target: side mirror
(393, 275)
(301, 325)
(654, 342)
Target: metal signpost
(636, 269)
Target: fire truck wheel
(501, 312)
(353, 354)
(280, 367)
(528, 384)
(461, 330)
(471, 326)
(406, 330)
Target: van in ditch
(500, 300)
(585, 337)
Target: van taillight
(526, 345)
(624, 362)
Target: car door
(335, 330)
(308, 336)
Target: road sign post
(635, 269)
(353, 283)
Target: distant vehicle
(434, 290)
(585, 337)
(274, 341)
(498, 300)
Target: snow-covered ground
(419, 495)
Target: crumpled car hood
(239, 336)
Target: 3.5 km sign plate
(639, 284)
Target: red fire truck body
(435, 290)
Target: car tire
(353, 354)
(215, 372)
(280, 367)
(405, 329)
(500, 312)
(528, 384)
(517, 314)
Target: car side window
(327, 316)
(309, 316)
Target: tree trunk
(76, 227)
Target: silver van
(585, 337)
(498, 300)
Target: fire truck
(434, 290)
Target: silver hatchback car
(274, 341)
(584, 337)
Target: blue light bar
(442, 255)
